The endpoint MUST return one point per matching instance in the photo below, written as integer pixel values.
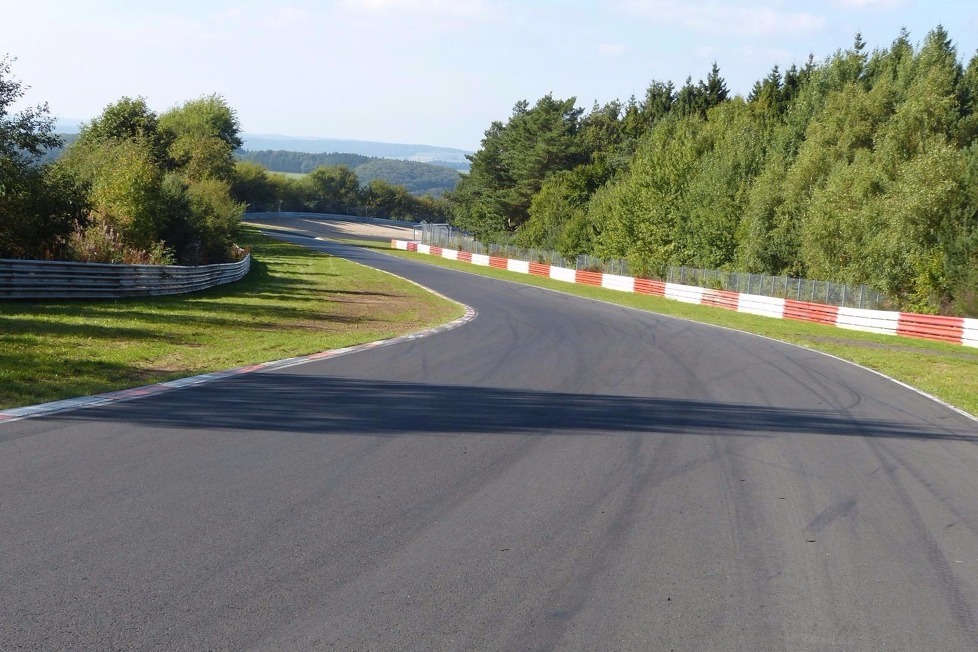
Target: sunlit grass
(293, 302)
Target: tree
(561, 197)
(689, 99)
(642, 214)
(202, 136)
(386, 200)
(659, 100)
(253, 186)
(38, 210)
(209, 116)
(714, 90)
(333, 189)
(127, 119)
(158, 186)
(513, 163)
(24, 136)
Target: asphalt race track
(558, 474)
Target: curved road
(558, 474)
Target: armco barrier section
(956, 330)
(46, 279)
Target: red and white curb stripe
(66, 405)
(955, 330)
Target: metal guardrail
(45, 279)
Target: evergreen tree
(513, 163)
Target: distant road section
(335, 226)
(559, 474)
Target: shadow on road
(328, 405)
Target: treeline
(862, 168)
(332, 189)
(299, 162)
(417, 178)
(134, 187)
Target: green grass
(293, 302)
(947, 371)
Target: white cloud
(757, 19)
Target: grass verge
(947, 371)
(293, 302)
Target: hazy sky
(424, 71)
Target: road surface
(558, 474)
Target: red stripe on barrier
(648, 286)
(435, 251)
(587, 278)
(720, 299)
(412, 246)
(931, 327)
(465, 256)
(498, 263)
(540, 269)
(813, 312)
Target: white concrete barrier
(684, 293)
(620, 283)
(970, 336)
(519, 266)
(563, 274)
(756, 304)
(871, 321)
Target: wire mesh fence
(787, 287)
(826, 292)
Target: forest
(332, 189)
(862, 168)
(417, 178)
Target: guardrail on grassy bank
(956, 330)
(47, 279)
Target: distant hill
(51, 155)
(422, 169)
(444, 156)
(417, 178)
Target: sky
(434, 72)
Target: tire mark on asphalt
(831, 513)
(962, 611)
